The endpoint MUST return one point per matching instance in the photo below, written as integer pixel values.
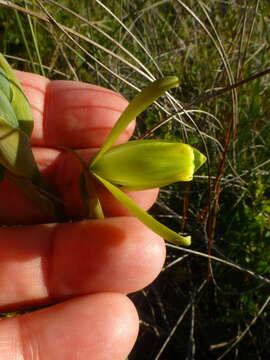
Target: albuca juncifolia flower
(146, 164)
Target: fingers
(98, 326)
(70, 113)
(62, 170)
(47, 263)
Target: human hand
(85, 267)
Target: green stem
(88, 189)
(95, 209)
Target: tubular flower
(144, 164)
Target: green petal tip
(168, 82)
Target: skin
(84, 269)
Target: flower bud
(146, 164)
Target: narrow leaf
(15, 151)
(9, 143)
(143, 216)
(18, 100)
(5, 84)
(138, 104)
(7, 114)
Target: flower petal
(146, 164)
(143, 216)
(138, 104)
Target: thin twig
(215, 93)
(229, 263)
(180, 319)
(241, 336)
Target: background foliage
(210, 302)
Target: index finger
(72, 113)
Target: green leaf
(16, 124)
(15, 147)
(18, 100)
(7, 113)
(5, 84)
(15, 151)
(143, 216)
(138, 104)
(9, 143)
(146, 164)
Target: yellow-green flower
(144, 164)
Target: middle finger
(47, 263)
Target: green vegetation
(199, 307)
